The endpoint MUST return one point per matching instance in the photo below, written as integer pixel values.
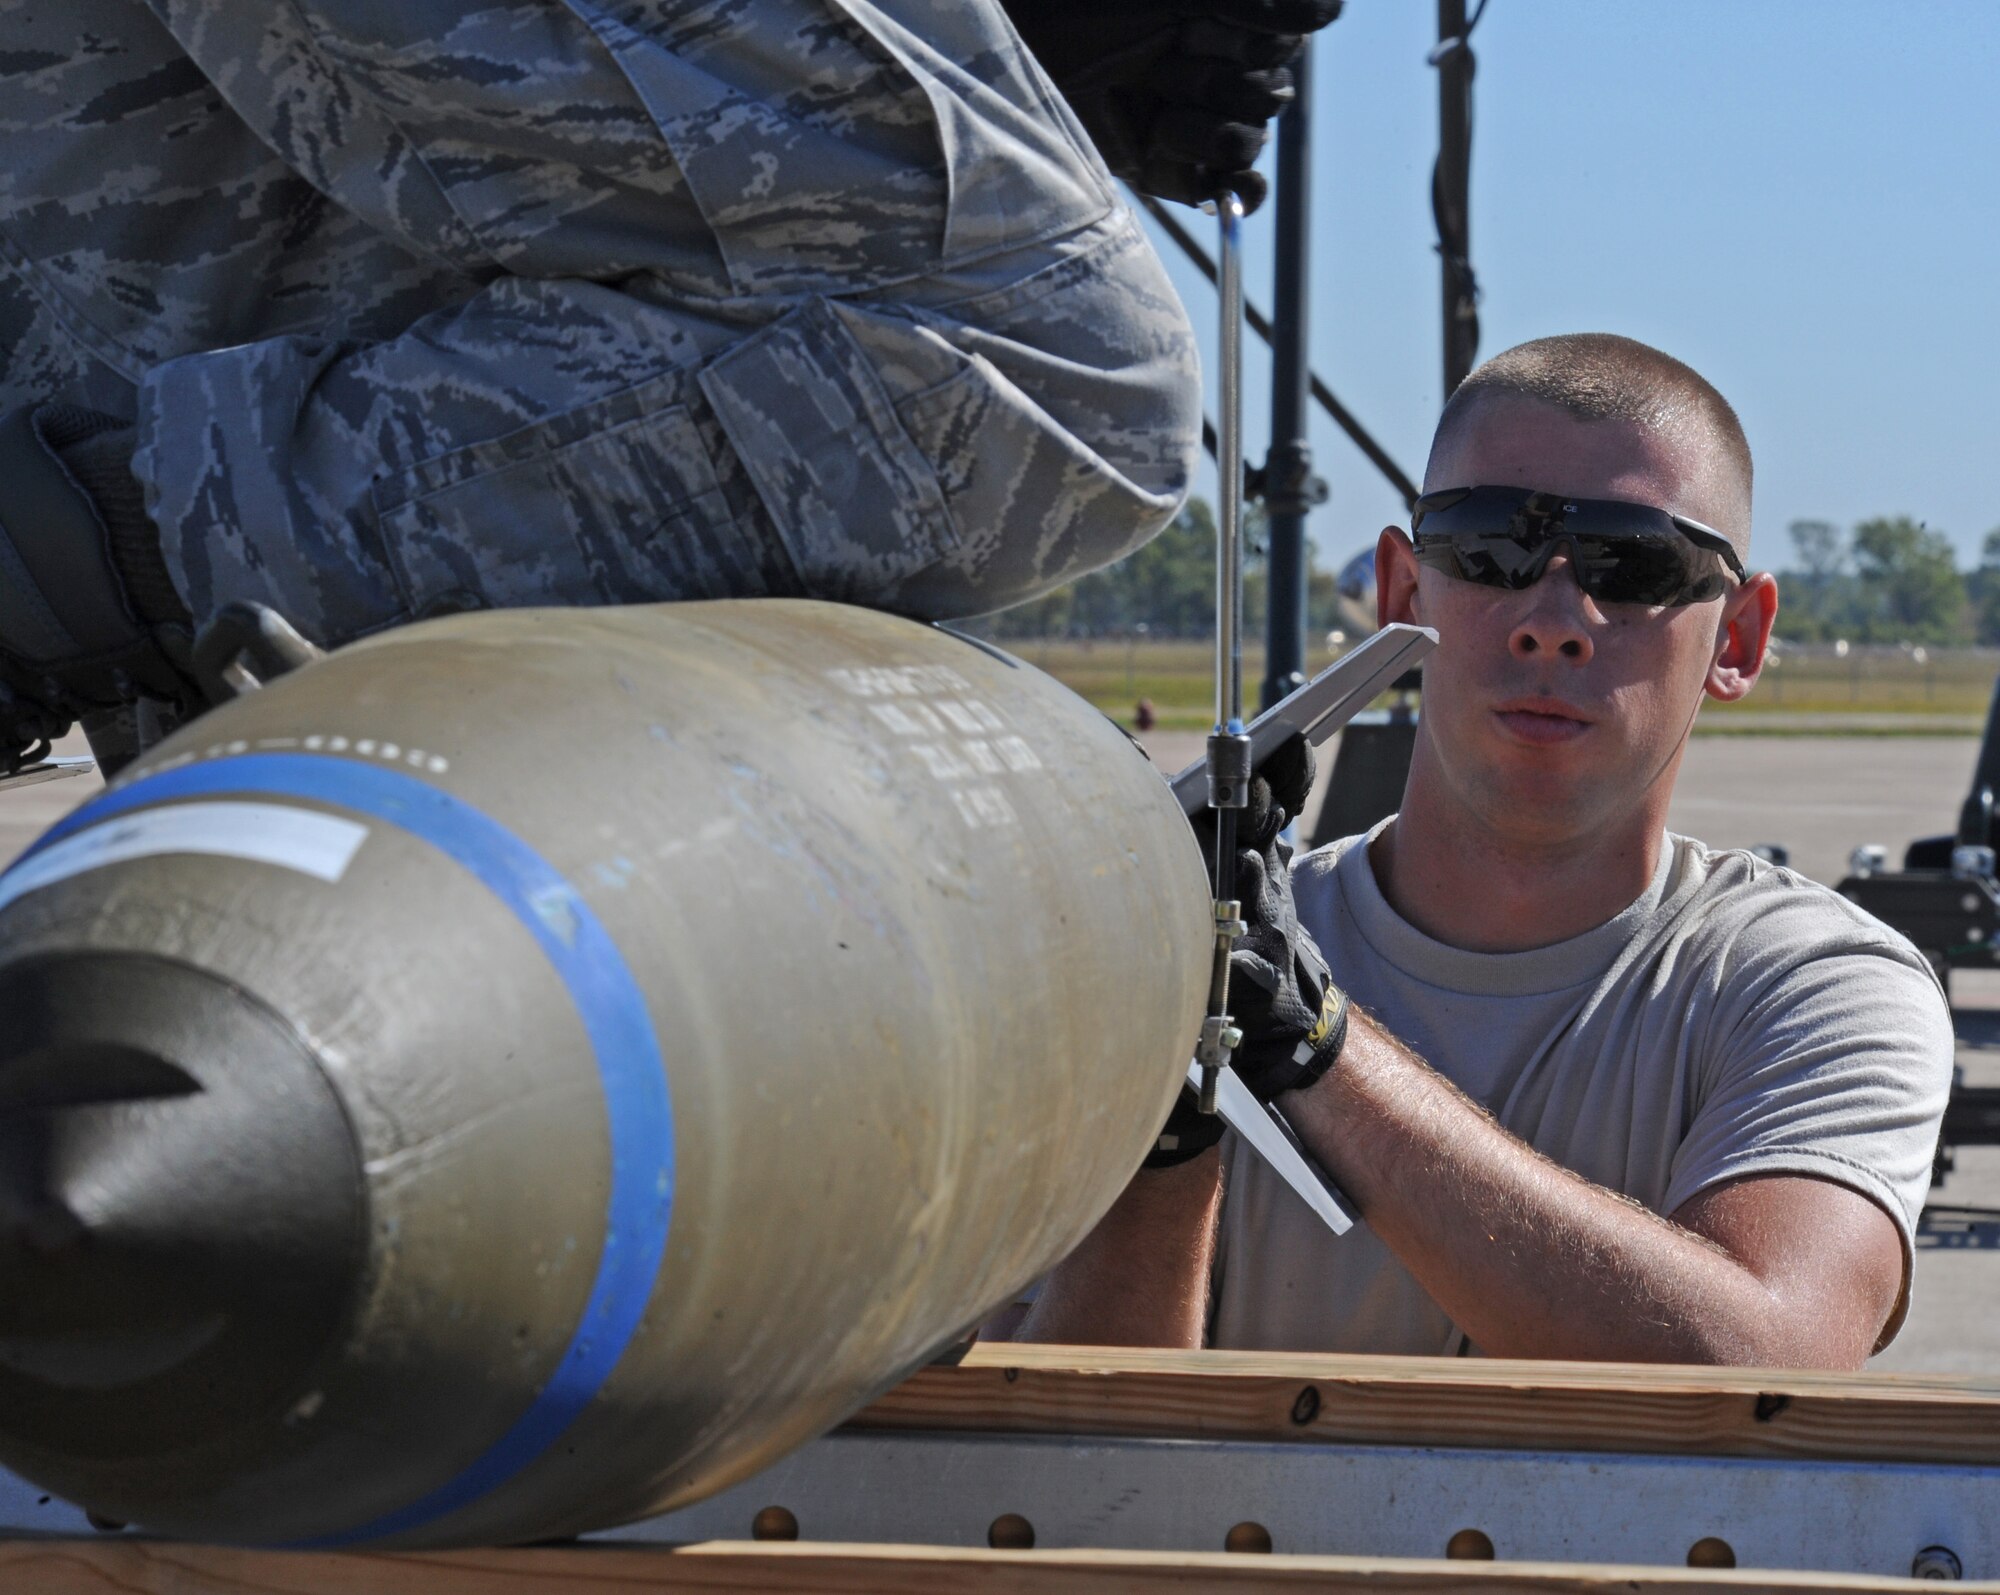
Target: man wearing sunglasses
(1601, 1092)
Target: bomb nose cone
(181, 1211)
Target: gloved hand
(1281, 994)
(1187, 1133)
(1281, 990)
(1175, 93)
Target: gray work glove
(1281, 994)
(1175, 93)
(1293, 1017)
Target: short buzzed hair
(1600, 376)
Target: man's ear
(1743, 638)
(1395, 579)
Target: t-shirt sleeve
(1839, 1066)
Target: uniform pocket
(613, 502)
(857, 503)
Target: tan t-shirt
(1737, 1019)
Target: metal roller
(533, 1069)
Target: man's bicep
(1832, 1259)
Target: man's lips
(1541, 722)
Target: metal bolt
(1011, 1532)
(1709, 1551)
(1470, 1545)
(1251, 1539)
(774, 1523)
(1937, 1561)
(1306, 1408)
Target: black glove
(1175, 93)
(1187, 1133)
(1292, 1016)
(1281, 994)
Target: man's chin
(1545, 793)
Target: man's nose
(1557, 620)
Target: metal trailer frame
(960, 1490)
(1033, 1468)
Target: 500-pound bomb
(532, 1069)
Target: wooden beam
(136, 1567)
(1440, 1401)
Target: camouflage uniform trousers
(421, 305)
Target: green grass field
(1870, 690)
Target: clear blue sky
(1800, 200)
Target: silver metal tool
(58, 769)
(1323, 705)
(1228, 763)
(1273, 1139)
(1221, 780)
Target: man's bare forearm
(1528, 1258)
(1141, 1277)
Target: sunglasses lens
(1494, 559)
(1638, 570)
(1621, 553)
(1479, 535)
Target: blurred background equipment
(1946, 900)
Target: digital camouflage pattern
(418, 305)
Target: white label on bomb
(320, 845)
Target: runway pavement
(1819, 797)
(28, 811)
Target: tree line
(1891, 579)
(1167, 589)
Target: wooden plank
(1438, 1401)
(133, 1567)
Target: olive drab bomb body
(532, 1069)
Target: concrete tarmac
(31, 810)
(1818, 796)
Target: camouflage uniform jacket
(420, 305)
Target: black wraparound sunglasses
(1621, 553)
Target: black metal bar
(1398, 478)
(1261, 325)
(1290, 487)
(1972, 1116)
(1451, 181)
(1975, 818)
